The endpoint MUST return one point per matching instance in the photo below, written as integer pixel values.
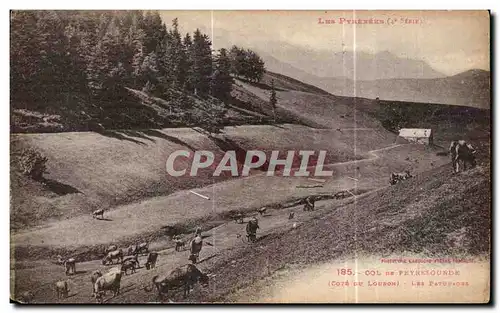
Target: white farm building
(417, 135)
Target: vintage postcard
(250, 157)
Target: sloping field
(321, 110)
(89, 170)
(146, 218)
(435, 214)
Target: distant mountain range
(382, 74)
(470, 88)
(353, 65)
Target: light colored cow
(109, 281)
(62, 289)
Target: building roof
(415, 132)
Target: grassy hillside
(91, 170)
(447, 215)
(447, 121)
(109, 167)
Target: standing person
(453, 154)
(195, 246)
(251, 229)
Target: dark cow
(309, 204)
(238, 218)
(185, 276)
(151, 262)
(463, 153)
(179, 243)
(113, 255)
(262, 210)
(98, 213)
(397, 177)
(129, 264)
(342, 194)
(133, 259)
(70, 266)
(291, 215)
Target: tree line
(99, 54)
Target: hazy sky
(449, 41)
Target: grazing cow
(251, 229)
(197, 232)
(463, 153)
(62, 289)
(291, 215)
(26, 297)
(342, 194)
(97, 213)
(138, 249)
(128, 265)
(111, 248)
(185, 276)
(309, 204)
(179, 243)
(60, 260)
(132, 258)
(238, 218)
(131, 250)
(262, 210)
(113, 255)
(109, 281)
(70, 266)
(397, 177)
(151, 262)
(93, 278)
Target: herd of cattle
(128, 259)
(188, 275)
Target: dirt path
(152, 214)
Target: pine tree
(175, 57)
(222, 82)
(237, 57)
(24, 53)
(189, 82)
(254, 66)
(209, 115)
(272, 99)
(201, 69)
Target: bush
(33, 164)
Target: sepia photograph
(250, 156)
